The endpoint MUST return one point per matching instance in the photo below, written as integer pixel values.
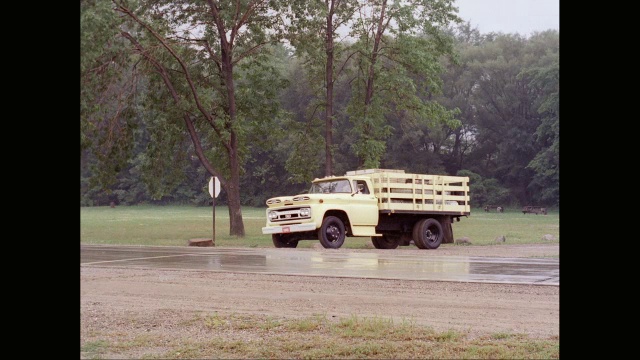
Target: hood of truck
(304, 199)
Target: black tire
(428, 234)
(414, 235)
(385, 241)
(331, 234)
(283, 241)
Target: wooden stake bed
(420, 193)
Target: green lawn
(175, 225)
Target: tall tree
(457, 93)
(106, 99)
(317, 26)
(507, 100)
(195, 49)
(399, 44)
(545, 76)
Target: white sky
(510, 16)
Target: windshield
(329, 187)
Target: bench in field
(534, 210)
(488, 208)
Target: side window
(361, 187)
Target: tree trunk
(368, 96)
(236, 225)
(328, 115)
(374, 56)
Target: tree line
(267, 95)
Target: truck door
(364, 205)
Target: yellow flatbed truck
(390, 206)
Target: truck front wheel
(331, 233)
(385, 241)
(428, 234)
(283, 241)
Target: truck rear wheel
(331, 233)
(428, 234)
(283, 241)
(385, 241)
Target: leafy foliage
(421, 95)
(397, 70)
(485, 191)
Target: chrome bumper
(285, 229)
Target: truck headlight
(273, 215)
(305, 212)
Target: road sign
(217, 187)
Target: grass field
(175, 225)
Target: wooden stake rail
(420, 192)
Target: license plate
(286, 229)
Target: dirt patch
(117, 301)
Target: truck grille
(289, 214)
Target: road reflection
(337, 263)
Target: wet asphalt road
(333, 263)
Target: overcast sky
(511, 16)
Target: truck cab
(342, 205)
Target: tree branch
(218, 21)
(174, 94)
(162, 41)
(214, 57)
(248, 52)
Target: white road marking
(142, 258)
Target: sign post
(214, 191)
